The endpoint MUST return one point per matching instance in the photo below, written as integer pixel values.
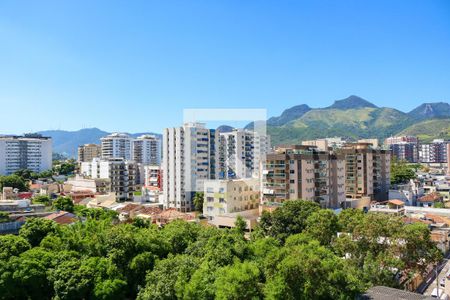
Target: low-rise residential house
(78, 196)
(95, 185)
(132, 210)
(172, 214)
(229, 220)
(62, 217)
(444, 190)
(430, 199)
(229, 196)
(394, 207)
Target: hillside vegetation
(429, 130)
(357, 118)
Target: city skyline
(79, 65)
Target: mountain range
(355, 117)
(352, 117)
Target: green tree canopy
(401, 171)
(14, 181)
(63, 203)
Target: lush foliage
(63, 203)
(64, 168)
(295, 254)
(4, 217)
(401, 171)
(14, 181)
(42, 199)
(198, 201)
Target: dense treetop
(295, 253)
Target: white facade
(147, 150)
(32, 152)
(229, 196)
(117, 145)
(435, 152)
(240, 153)
(188, 160)
(122, 174)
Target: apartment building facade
(304, 172)
(147, 150)
(404, 148)
(117, 145)
(435, 152)
(88, 152)
(122, 174)
(31, 151)
(367, 171)
(240, 153)
(189, 158)
(229, 196)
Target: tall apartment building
(229, 196)
(404, 148)
(31, 151)
(147, 150)
(435, 152)
(88, 152)
(240, 153)
(304, 172)
(448, 159)
(367, 171)
(189, 158)
(117, 145)
(122, 174)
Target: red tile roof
(396, 202)
(150, 211)
(432, 197)
(62, 217)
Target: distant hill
(352, 102)
(352, 117)
(224, 128)
(67, 142)
(429, 129)
(289, 115)
(430, 111)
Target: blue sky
(135, 65)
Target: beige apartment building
(88, 152)
(367, 171)
(230, 196)
(304, 172)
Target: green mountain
(431, 110)
(354, 118)
(429, 129)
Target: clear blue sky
(134, 65)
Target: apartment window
(210, 199)
(221, 200)
(291, 171)
(292, 181)
(209, 190)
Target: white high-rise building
(147, 150)
(31, 151)
(121, 172)
(189, 158)
(240, 153)
(435, 152)
(117, 145)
